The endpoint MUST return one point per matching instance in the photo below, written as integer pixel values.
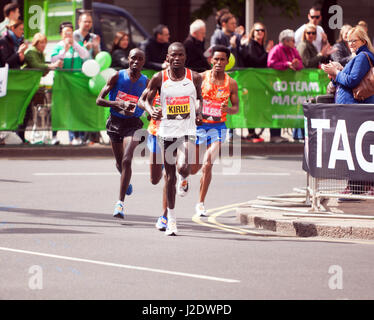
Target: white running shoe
(182, 185)
(77, 142)
(162, 223)
(119, 210)
(200, 210)
(171, 229)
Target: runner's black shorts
(119, 128)
(170, 146)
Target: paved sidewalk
(292, 217)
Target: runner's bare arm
(148, 96)
(234, 98)
(141, 101)
(101, 101)
(198, 80)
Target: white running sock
(171, 214)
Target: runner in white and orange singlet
(179, 89)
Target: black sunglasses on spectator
(315, 17)
(311, 32)
(258, 30)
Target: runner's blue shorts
(152, 144)
(209, 133)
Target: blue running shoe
(129, 189)
(162, 223)
(119, 210)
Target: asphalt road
(58, 239)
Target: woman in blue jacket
(354, 71)
(349, 77)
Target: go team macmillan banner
(273, 99)
(267, 99)
(339, 141)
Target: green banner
(22, 85)
(73, 105)
(270, 98)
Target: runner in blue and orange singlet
(217, 89)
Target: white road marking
(214, 224)
(123, 266)
(212, 219)
(78, 173)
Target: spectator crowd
(307, 47)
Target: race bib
(178, 108)
(212, 110)
(128, 97)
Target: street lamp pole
(249, 14)
(87, 5)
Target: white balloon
(108, 73)
(91, 68)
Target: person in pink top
(284, 55)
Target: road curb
(328, 227)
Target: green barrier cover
(73, 105)
(22, 85)
(270, 98)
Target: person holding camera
(71, 52)
(90, 40)
(12, 46)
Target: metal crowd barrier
(318, 190)
(40, 122)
